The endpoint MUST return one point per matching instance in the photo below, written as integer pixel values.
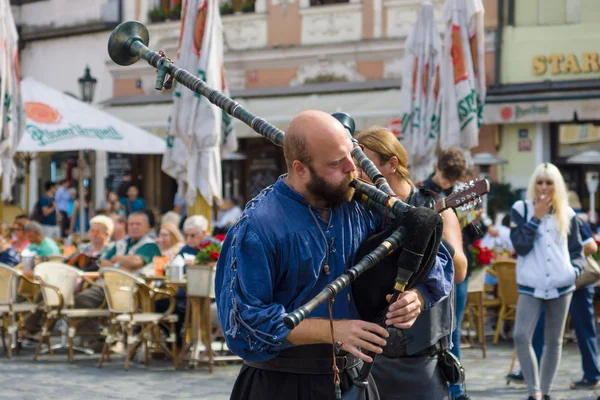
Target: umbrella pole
(81, 196)
(201, 207)
(27, 189)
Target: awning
(377, 107)
(56, 121)
(541, 107)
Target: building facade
(547, 101)
(282, 57)
(285, 56)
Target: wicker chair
(507, 293)
(130, 301)
(12, 314)
(58, 282)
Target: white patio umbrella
(419, 93)
(11, 116)
(463, 75)
(56, 122)
(201, 132)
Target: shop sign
(541, 111)
(565, 63)
(525, 144)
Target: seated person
(38, 243)
(195, 228)
(170, 240)
(87, 256)
(138, 250)
(19, 241)
(119, 228)
(8, 255)
(43, 247)
(230, 213)
(129, 254)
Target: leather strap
(311, 366)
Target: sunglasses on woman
(548, 182)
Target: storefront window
(575, 138)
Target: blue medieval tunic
(273, 261)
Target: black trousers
(258, 384)
(410, 378)
(65, 222)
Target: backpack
(37, 214)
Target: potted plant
(157, 15)
(226, 9)
(208, 254)
(175, 12)
(247, 7)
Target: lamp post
(589, 157)
(87, 86)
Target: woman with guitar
(409, 368)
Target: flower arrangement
(596, 255)
(209, 252)
(482, 256)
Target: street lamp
(87, 84)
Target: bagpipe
(128, 43)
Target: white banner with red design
(11, 106)
(463, 74)
(420, 121)
(203, 130)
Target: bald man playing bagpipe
(291, 241)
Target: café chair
(12, 313)
(130, 302)
(58, 282)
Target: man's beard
(331, 194)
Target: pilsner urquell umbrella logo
(42, 113)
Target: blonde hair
(171, 217)
(383, 142)
(105, 221)
(173, 230)
(560, 201)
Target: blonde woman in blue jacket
(546, 238)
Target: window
(326, 2)
(589, 11)
(551, 12)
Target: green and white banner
(420, 129)
(11, 114)
(463, 74)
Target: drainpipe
(497, 61)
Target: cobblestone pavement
(52, 377)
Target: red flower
(220, 237)
(485, 257)
(205, 245)
(214, 255)
(477, 244)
